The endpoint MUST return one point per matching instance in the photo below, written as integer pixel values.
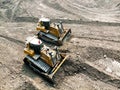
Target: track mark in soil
(56, 6)
(67, 21)
(100, 39)
(13, 40)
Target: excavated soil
(93, 49)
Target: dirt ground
(93, 49)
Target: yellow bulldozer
(41, 58)
(55, 34)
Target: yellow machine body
(52, 30)
(55, 33)
(43, 58)
(44, 54)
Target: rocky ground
(94, 47)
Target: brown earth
(94, 47)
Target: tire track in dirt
(90, 38)
(56, 6)
(86, 10)
(87, 38)
(67, 21)
(13, 40)
(93, 10)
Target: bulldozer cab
(45, 22)
(34, 47)
(34, 44)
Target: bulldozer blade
(57, 68)
(65, 36)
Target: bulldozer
(54, 34)
(42, 58)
